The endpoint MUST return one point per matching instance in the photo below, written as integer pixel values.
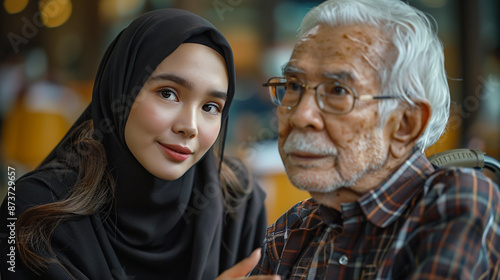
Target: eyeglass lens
(336, 97)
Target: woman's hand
(241, 269)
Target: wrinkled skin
(337, 158)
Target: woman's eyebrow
(187, 84)
(218, 94)
(174, 78)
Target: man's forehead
(342, 44)
(323, 35)
(342, 75)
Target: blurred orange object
(29, 136)
(281, 195)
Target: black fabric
(157, 229)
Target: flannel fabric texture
(421, 223)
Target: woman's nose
(186, 123)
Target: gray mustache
(307, 143)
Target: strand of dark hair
(93, 191)
(234, 190)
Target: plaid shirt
(421, 223)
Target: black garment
(157, 229)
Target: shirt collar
(387, 202)
(310, 215)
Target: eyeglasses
(333, 97)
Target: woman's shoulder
(42, 186)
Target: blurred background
(50, 51)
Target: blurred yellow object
(14, 6)
(449, 140)
(55, 12)
(281, 195)
(114, 10)
(83, 88)
(246, 46)
(29, 136)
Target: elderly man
(363, 95)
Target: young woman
(137, 189)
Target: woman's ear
(409, 125)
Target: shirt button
(343, 260)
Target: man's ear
(408, 126)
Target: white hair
(417, 71)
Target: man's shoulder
(461, 180)
(463, 189)
(297, 216)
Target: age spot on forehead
(361, 48)
(324, 40)
(372, 44)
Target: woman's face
(177, 115)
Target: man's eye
(168, 93)
(211, 108)
(293, 86)
(339, 90)
(334, 89)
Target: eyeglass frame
(319, 101)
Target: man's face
(323, 152)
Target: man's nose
(307, 113)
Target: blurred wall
(50, 51)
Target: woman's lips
(176, 152)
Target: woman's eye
(168, 93)
(212, 108)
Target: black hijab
(158, 229)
